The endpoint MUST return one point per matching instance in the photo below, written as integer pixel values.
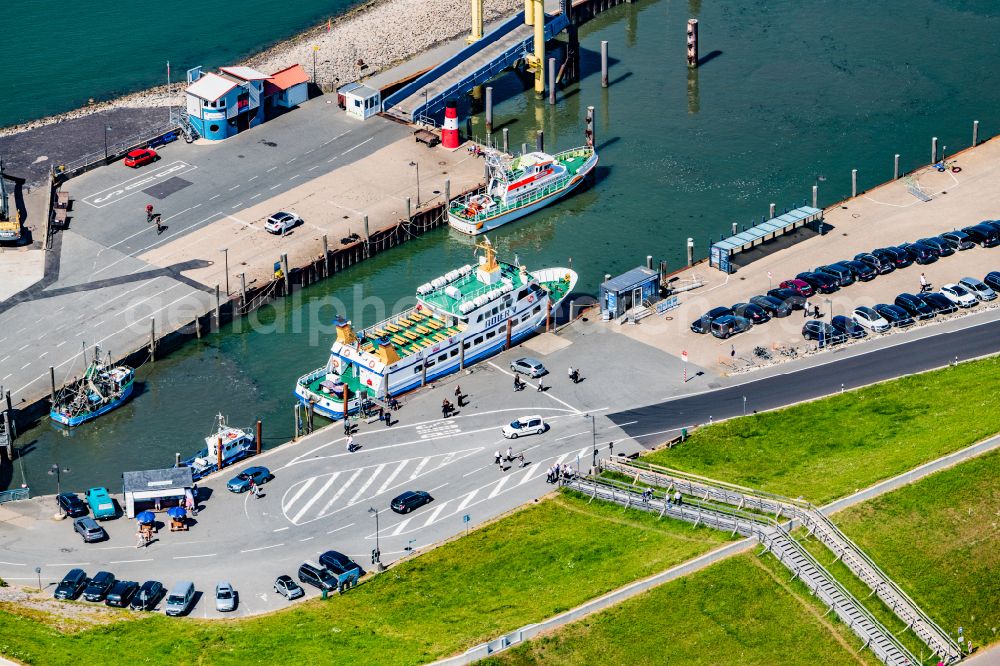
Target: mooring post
(770, 212)
(312, 412)
(539, 140)
(572, 303)
(409, 211)
(524, 148)
(489, 110)
(692, 42)
(295, 432)
(934, 150)
(895, 167)
(52, 378)
(461, 356)
(589, 132)
(423, 371)
(284, 273)
(604, 64)
(218, 307)
(367, 237)
(854, 182)
(649, 261)
(243, 291)
(690, 251)
(506, 132)
(326, 257)
(815, 196)
(735, 230)
(552, 81)
(975, 133)
(507, 344)
(152, 338)
(258, 436)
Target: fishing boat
(519, 186)
(461, 317)
(102, 388)
(223, 447)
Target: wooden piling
(692, 42)
(218, 308)
(295, 431)
(815, 195)
(975, 133)
(152, 338)
(552, 85)
(854, 182)
(461, 356)
(507, 343)
(326, 257)
(489, 110)
(258, 436)
(690, 251)
(649, 261)
(539, 140)
(243, 291)
(604, 64)
(52, 378)
(285, 275)
(934, 150)
(218, 452)
(423, 371)
(311, 409)
(589, 132)
(506, 133)
(770, 212)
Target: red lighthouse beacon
(449, 131)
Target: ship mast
(491, 255)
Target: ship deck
(410, 333)
(470, 287)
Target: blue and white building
(221, 105)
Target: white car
(873, 321)
(978, 289)
(525, 425)
(959, 295)
(281, 222)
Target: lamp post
(377, 555)
(414, 164)
(225, 253)
(829, 304)
(425, 104)
(744, 405)
(106, 128)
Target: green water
(798, 95)
(58, 53)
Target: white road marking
(216, 196)
(343, 527)
(25, 366)
(374, 475)
(307, 538)
(237, 205)
(129, 561)
(274, 187)
(127, 188)
(271, 169)
(420, 468)
(315, 497)
(252, 178)
(313, 168)
(254, 550)
(69, 564)
(435, 514)
(499, 487)
(259, 194)
(191, 557)
(233, 188)
(468, 498)
(281, 529)
(24, 347)
(340, 492)
(295, 176)
(401, 526)
(291, 160)
(392, 477)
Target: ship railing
(367, 332)
(522, 201)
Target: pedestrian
(496, 458)
(677, 497)
(541, 387)
(732, 351)
(510, 454)
(140, 540)
(350, 445)
(923, 282)
(571, 373)
(520, 459)
(387, 416)
(347, 425)
(816, 313)
(445, 408)
(159, 227)
(458, 395)
(256, 491)
(805, 309)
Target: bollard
(770, 212)
(243, 291)
(552, 81)
(218, 307)
(895, 167)
(604, 64)
(589, 132)
(975, 132)
(258, 436)
(690, 251)
(649, 261)
(540, 140)
(524, 148)
(854, 182)
(506, 133)
(934, 150)
(815, 195)
(571, 304)
(52, 378)
(152, 338)
(447, 192)
(692, 42)
(326, 257)
(177, 459)
(735, 231)
(489, 110)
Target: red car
(800, 287)
(140, 156)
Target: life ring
(956, 169)
(371, 363)
(940, 169)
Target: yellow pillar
(529, 12)
(539, 24)
(477, 21)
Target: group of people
(499, 459)
(556, 472)
(519, 384)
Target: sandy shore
(378, 34)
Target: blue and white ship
(224, 447)
(102, 388)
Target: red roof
(285, 79)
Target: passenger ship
(520, 186)
(460, 318)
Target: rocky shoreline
(365, 40)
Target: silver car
(978, 288)
(528, 366)
(225, 597)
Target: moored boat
(102, 388)
(224, 447)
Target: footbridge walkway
(818, 525)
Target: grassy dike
(528, 566)
(832, 447)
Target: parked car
(959, 240)
(410, 500)
(915, 306)
(978, 288)
(71, 505)
(893, 255)
(99, 586)
(528, 366)
(982, 235)
(861, 270)
(281, 222)
(941, 303)
(180, 598)
(788, 297)
(241, 482)
(121, 593)
(755, 313)
(870, 319)
(920, 253)
(821, 282)
(944, 248)
(317, 576)
(995, 224)
(88, 528)
(992, 280)
(895, 315)
(725, 327)
(287, 587)
(101, 505)
(881, 266)
(72, 584)
(225, 597)
(337, 563)
(772, 306)
(702, 324)
(139, 157)
(822, 332)
(147, 596)
(959, 295)
(848, 327)
(800, 287)
(524, 425)
(839, 272)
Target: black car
(894, 314)
(754, 313)
(821, 282)
(941, 303)
(920, 253)
(701, 324)
(944, 248)
(88, 528)
(410, 500)
(121, 593)
(822, 332)
(71, 585)
(790, 298)
(992, 280)
(71, 505)
(992, 223)
(839, 272)
(147, 596)
(848, 327)
(983, 235)
(893, 255)
(861, 270)
(772, 306)
(725, 327)
(959, 240)
(317, 576)
(338, 563)
(99, 586)
(881, 266)
(915, 306)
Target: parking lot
(887, 215)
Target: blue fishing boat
(102, 388)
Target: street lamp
(54, 469)
(414, 164)
(425, 104)
(377, 553)
(225, 252)
(106, 128)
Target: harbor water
(789, 95)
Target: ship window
(478, 340)
(494, 311)
(429, 363)
(490, 334)
(417, 368)
(538, 308)
(442, 358)
(454, 353)
(466, 344)
(522, 294)
(479, 318)
(524, 318)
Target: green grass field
(738, 611)
(829, 448)
(526, 567)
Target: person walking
(923, 282)
(520, 459)
(541, 387)
(510, 454)
(458, 395)
(571, 373)
(386, 417)
(347, 425)
(677, 497)
(350, 443)
(805, 309)
(496, 458)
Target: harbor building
(224, 104)
(285, 89)
(156, 489)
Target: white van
(180, 598)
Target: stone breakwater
(379, 34)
